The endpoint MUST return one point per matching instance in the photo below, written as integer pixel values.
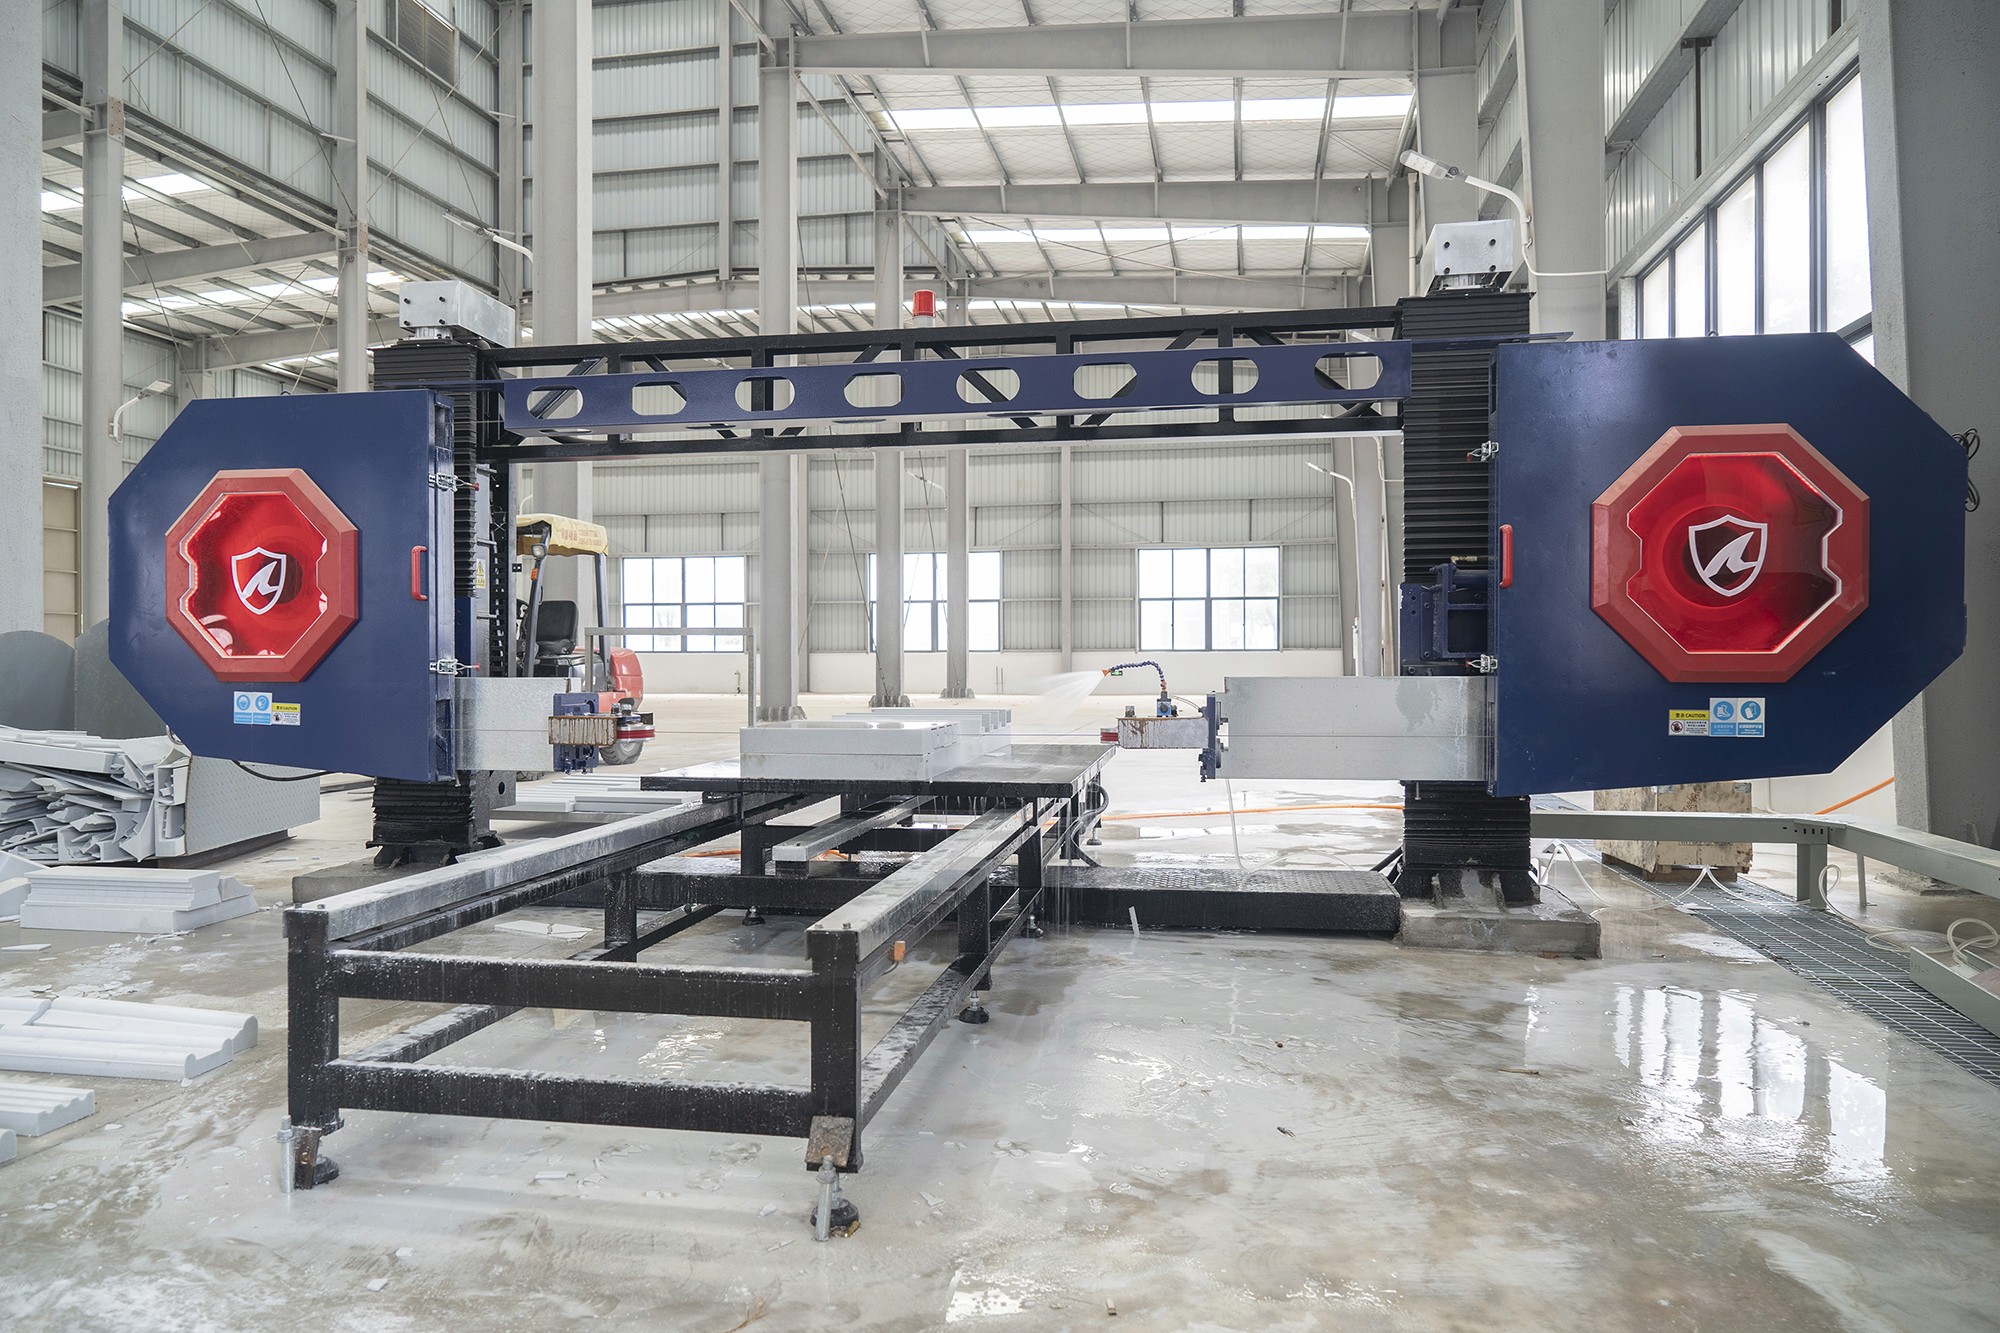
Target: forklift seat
(556, 653)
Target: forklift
(551, 638)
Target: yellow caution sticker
(1687, 722)
(284, 715)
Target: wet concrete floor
(1193, 1131)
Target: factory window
(1784, 250)
(927, 606)
(683, 592)
(1198, 598)
(1847, 295)
(1735, 261)
(422, 30)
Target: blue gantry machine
(1622, 564)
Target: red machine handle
(417, 554)
(1506, 555)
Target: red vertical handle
(1506, 555)
(417, 554)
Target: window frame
(1208, 599)
(1811, 121)
(938, 605)
(720, 642)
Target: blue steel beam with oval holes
(1000, 386)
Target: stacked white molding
(131, 900)
(41, 1108)
(986, 731)
(861, 749)
(71, 798)
(598, 793)
(117, 1039)
(13, 884)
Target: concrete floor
(1200, 1132)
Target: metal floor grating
(1832, 952)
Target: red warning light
(1730, 553)
(263, 575)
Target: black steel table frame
(361, 945)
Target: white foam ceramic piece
(66, 796)
(77, 1051)
(982, 731)
(41, 1108)
(21, 1008)
(241, 1029)
(130, 900)
(13, 892)
(6, 1146)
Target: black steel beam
(768, 349)
(551, 983)
(434, 1034)
(523, 1094)
(891, 1058)
(583, 449)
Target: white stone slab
(241, 1029)
(13, 892)
(6, 1146)
(39, 1108)
(74, 1051)
(128, 920)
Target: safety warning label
(1736, 717)
(1687, 722)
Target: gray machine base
(1554, 927)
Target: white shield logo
(260, 578)
(1728, 553)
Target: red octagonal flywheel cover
(263, 575)
(1730, 553)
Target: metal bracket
(1486, 664)
(831, 1136)
(445, 481)
(449, 666)
(1485, 453)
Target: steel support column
(1359, 519)
(725, 121)
(1376, 607)
(1562, 153)
(1066, 557)
(103, 292)
(350, 190)
(1449, 131)
(778, 314)
(889, 691)
(508, 52)
(957, 576)
(1930, 77)
(563, 241)
(21, 333)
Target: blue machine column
(21, 332)
(562, 244)
(103, 292)
(778, 299)
(1930, 77)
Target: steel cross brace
(1242, 375)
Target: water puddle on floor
(1715, 1073)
